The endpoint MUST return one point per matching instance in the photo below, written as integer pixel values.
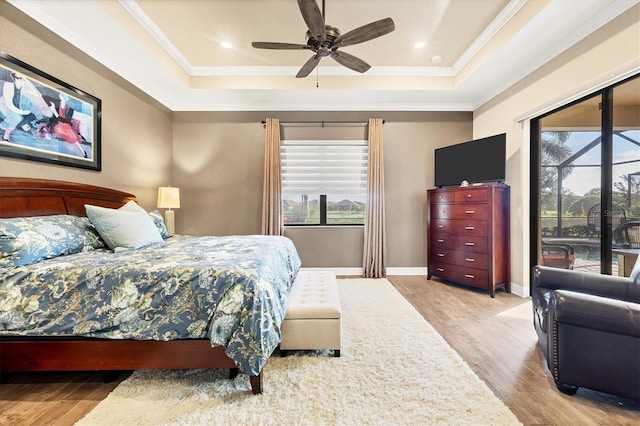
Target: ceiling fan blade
(313, 18)
(270, 45)
(309, 66)
(350, 61)
(365, 33)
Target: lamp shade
(168, 197)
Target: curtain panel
(374, 263)
(272, 223)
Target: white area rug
(395, 369)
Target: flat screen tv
(476, 161)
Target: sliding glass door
(586, 181)
(625, 182)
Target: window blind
(324, 167)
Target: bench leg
(336, 353)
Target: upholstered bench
(313, 314)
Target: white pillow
(156, 217)
(128, 227)
(132, 206)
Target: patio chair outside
(627, 235)
(618, 216)
(557, 255)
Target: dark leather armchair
(588, 327)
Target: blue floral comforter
(231, 290)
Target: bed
(183, 302)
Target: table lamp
(169, 198)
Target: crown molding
(534, 45)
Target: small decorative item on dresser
(169, 198)
(468, 240)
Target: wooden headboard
(21, 197)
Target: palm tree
(554, 152)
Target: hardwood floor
(494, 336)
(497, 339)
(51, 398)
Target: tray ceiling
(174, 50)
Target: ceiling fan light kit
(324, 40)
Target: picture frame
(44, 119)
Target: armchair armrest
(595, 312)
(546, 278)
(594, 342)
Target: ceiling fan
(324, 40)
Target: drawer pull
(468, 195)
(440, 254)
(470, 211)
(469, 276)
(467, 243)
(469, 259)
(440, 241)
(469, 228)
(440, 226)
(440, 269)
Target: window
(324, 182)
(586, 180)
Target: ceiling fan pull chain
(317, 82)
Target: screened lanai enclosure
(588, 195)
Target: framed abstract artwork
(45, 119)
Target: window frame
(323, 217)
(606, 95)
(323, 205)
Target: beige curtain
(374, 262)
(272, 186)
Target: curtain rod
(321, 123)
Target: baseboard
(518, 290)
(419, 270)
(338, 271)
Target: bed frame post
(256, 383)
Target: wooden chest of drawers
(468, 235)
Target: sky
(583, 179)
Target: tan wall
(136, 131)
(607, 54)
(217, 158)
(218, 165)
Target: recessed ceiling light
(436, 59)
(419, 44)
(226, 45)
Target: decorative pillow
(159, 222)
(88, 234)
(635, 272)
(132, 206)
(26, 240)
(126, 227)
